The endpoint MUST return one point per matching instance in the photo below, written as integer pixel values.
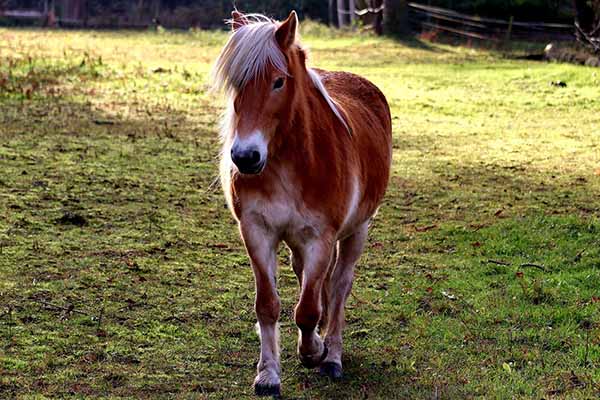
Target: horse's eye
(278, 83)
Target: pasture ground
(121, 271)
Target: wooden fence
(429, 18)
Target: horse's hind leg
(325, 292)
(341, 279)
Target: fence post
(510, 25)
(331, 13)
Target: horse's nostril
(248, 161)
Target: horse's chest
(283, 216)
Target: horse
(306, 161)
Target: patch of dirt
(71, 218)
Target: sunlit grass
(121, 274)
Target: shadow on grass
(26, 77)
(414, 42)
(365, 379)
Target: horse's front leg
(261, 245)
(315, 256)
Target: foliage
(210, 13)
(122, 274)
(523, 10)
(588, 23)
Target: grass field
(121, 271)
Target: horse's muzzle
(248, 162)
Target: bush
(522, 10)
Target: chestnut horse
(306, 160)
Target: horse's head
(255, 69)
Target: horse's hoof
(310, 362)
(331, 369)
(267, 390)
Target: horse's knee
(267, 310)
(344, 286)
(307, 316)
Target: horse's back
(359, 97)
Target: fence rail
(424, 17)
(24, 14)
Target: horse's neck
(307, 117)
(308, 142)
(304, 115)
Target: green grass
(121, 271)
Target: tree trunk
(156, 7)
(395, 17)
(378, 24)
(341, 12)
(140, 11)
(584, 15)
(85, 14)
(332, 13)
(351, 9)
(377, 20)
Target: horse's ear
(286, 33)
(237, 20)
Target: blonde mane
(248, 52)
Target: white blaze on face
(255, 141)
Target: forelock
(248, 53)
